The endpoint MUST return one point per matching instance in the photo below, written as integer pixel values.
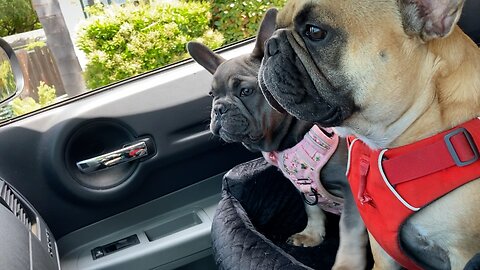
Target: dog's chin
(332, 118)
(326, 116)
(230, 137)
(270, 99)
(245, 138)
(251, 147)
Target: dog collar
(392, 184)
(302, 165)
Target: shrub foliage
(20, 106)
(239, 19)
(17, 16)
(122, 41)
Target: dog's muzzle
(228, 122)
(291, 79)
(286, 84)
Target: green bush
(17, 16)
(122, 41)
(32, 45)
(239, 19)
(46, 96)
(22, 106)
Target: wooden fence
(38, 65)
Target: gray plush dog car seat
(259, 210)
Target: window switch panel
(110, 248)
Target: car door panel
(169, 107)
(168, 236)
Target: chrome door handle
(127, 153)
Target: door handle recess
(127, 153)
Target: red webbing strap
(427, 159)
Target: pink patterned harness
(302, 165)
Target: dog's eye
(246, 92)
(315, 33)
(210, 94)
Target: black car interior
(165, 195)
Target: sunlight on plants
(123, 41)
(46, 96)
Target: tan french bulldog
(391, 73)
(240, 113)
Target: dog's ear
(430, 19)
(204, 56)
(265, 31)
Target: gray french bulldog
(241, 113)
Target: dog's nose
(272, 47)
(220, 109)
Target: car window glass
(66, 48)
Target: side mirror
(11, 77)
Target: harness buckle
(453, 152)
(315, 194)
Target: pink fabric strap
(302, 165)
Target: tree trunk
(60, 45)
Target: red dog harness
(392, 184)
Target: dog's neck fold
(447, 95)
(454, 89)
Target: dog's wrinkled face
(313, 88)
(355, 64)
(240, 112)
(324, 56)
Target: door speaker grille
(18, 208)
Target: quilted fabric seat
(470, 20)
(259, 210)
